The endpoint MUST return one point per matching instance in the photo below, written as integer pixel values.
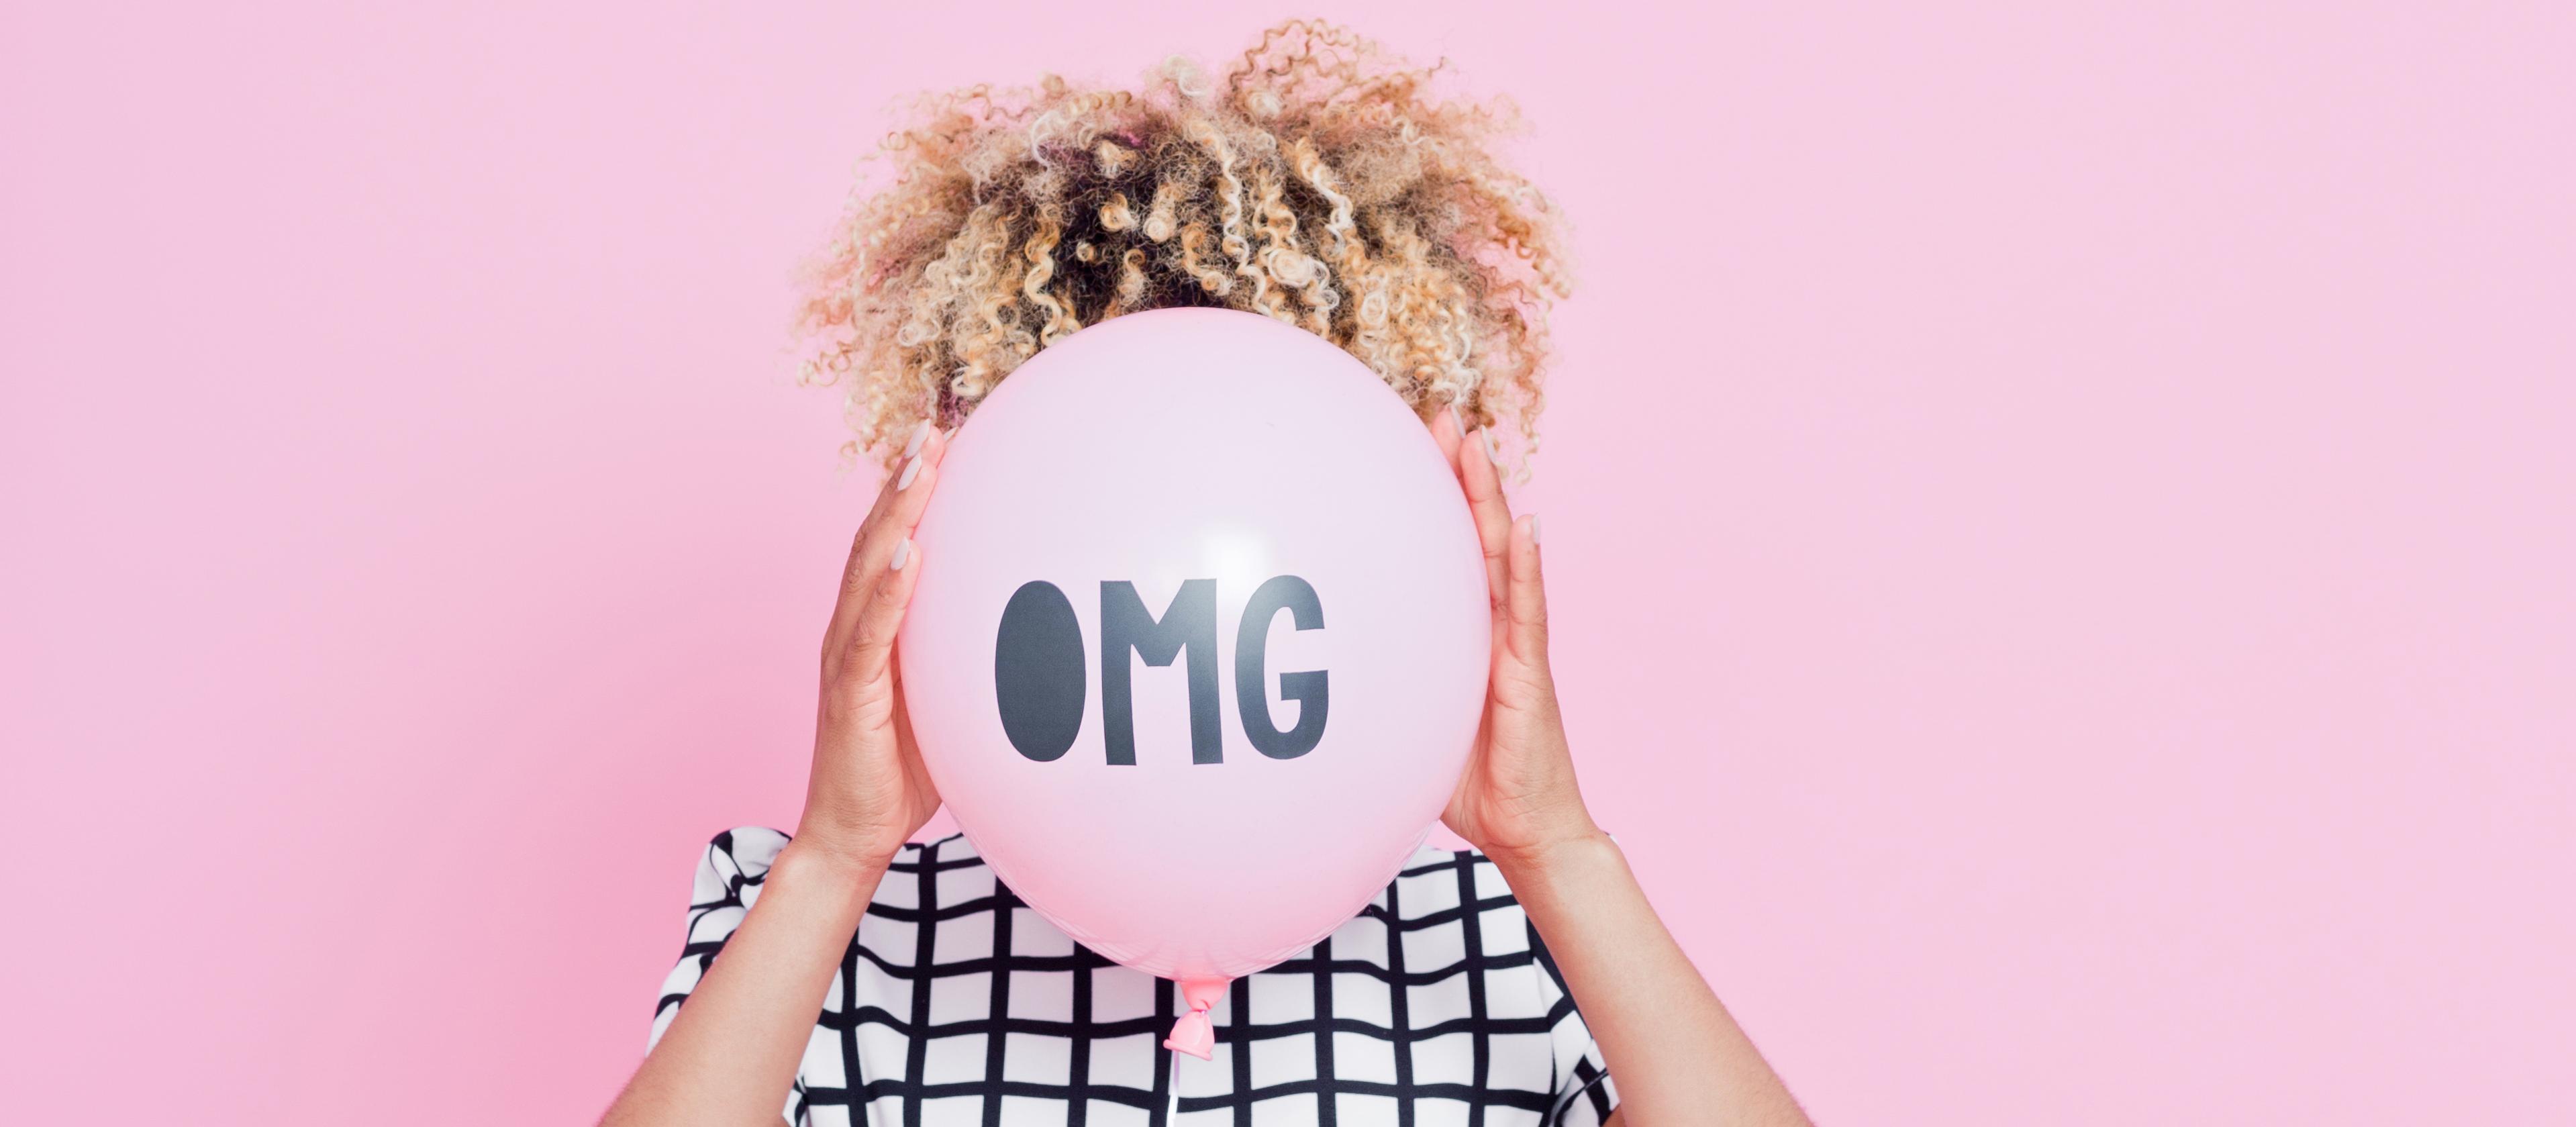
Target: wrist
(847, 842)
(1565, 856)
(821, 863)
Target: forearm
(1673, 1050)
(730, 1054)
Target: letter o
(1038, 678)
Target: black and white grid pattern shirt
(956, 1004)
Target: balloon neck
(1192, 1034)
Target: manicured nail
(903, 553)
(1533, 529)
(1456, 423)
(911, 470)
(912, 446)
(1492, 453)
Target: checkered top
(957, 1004)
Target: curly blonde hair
(1321, 182)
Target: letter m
(1188, 624)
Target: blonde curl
(1320, 182)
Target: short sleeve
(728, 882)
(1583, 1095)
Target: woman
(1322, 185)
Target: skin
(730, 1054)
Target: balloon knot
(1192, 1034)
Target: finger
(898, 510)
(1484, 485)
(1527, 603)
(881, 614)
(1446, 430)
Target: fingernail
(911, 470)
(1456, 422)
(1533, 528)
(920, 434)
(903, 553)
(1492, 453)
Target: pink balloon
(1252, 507)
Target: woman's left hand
(1517, 798)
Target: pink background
(2060, 525)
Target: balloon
(1200, 640)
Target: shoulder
(734, 866)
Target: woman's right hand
(868, 793)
